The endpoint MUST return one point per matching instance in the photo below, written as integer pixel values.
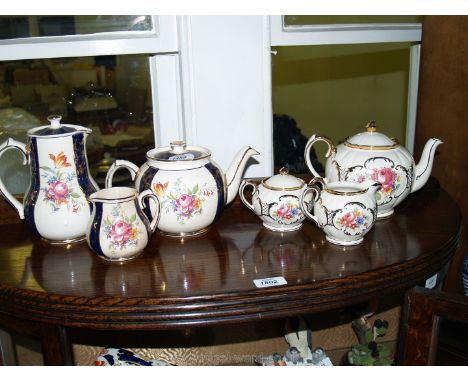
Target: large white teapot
(371, 155)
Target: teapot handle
(5, 146)
(311, 187)
(312, 140)
(244, 184)
(149, 194)
(115, 166)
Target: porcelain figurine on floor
(299, 338)
(368, 352)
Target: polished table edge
(135, 313)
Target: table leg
(56, 348)
(7, 349)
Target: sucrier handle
(307, 206)
(118, 164)
(149, 194)
(243, 185)
(313, 139)
(7, 145)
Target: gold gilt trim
(284, 188)
(66, 241)
(345, 193)
(367, 147)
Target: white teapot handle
(118, 164)
(5, 146)
(313, 139)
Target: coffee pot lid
(178, 151)
(371, 138)
(283, 181)
(55, 128)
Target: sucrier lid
(55, 128)
(283, 181)
(371, 139)
(178, 151)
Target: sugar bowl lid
(283, 181)
(371, 139)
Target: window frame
(160, 43)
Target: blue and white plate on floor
(122, 357)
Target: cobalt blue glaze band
(81, 165)
(214, 171)
(33, 192)
(145, 184)
(94, 230)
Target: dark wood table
(192, 283)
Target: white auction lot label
(269, 282)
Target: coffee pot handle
(119, 163)
(312, 140)
(5, 146)
(149, 194)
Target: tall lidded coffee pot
(56, 205)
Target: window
(116, 86)
(332, 74)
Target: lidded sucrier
(276, 201)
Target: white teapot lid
(371, 139)
(178, 151)
(283, 181)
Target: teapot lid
(178, 151)
(55, 128)
(371, 139)
(283, 181)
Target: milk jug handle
(149, 194)
(5, 146)
(307, 207)
(119, 164)
(312, 140)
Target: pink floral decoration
(121, 232)
(58, 191)
(386, 177)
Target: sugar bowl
(276, 201)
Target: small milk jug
(118, 229)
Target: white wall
(226, 80)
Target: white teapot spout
(235, 171)
(424, 167)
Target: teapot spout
(424, 167)
(235, 171)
